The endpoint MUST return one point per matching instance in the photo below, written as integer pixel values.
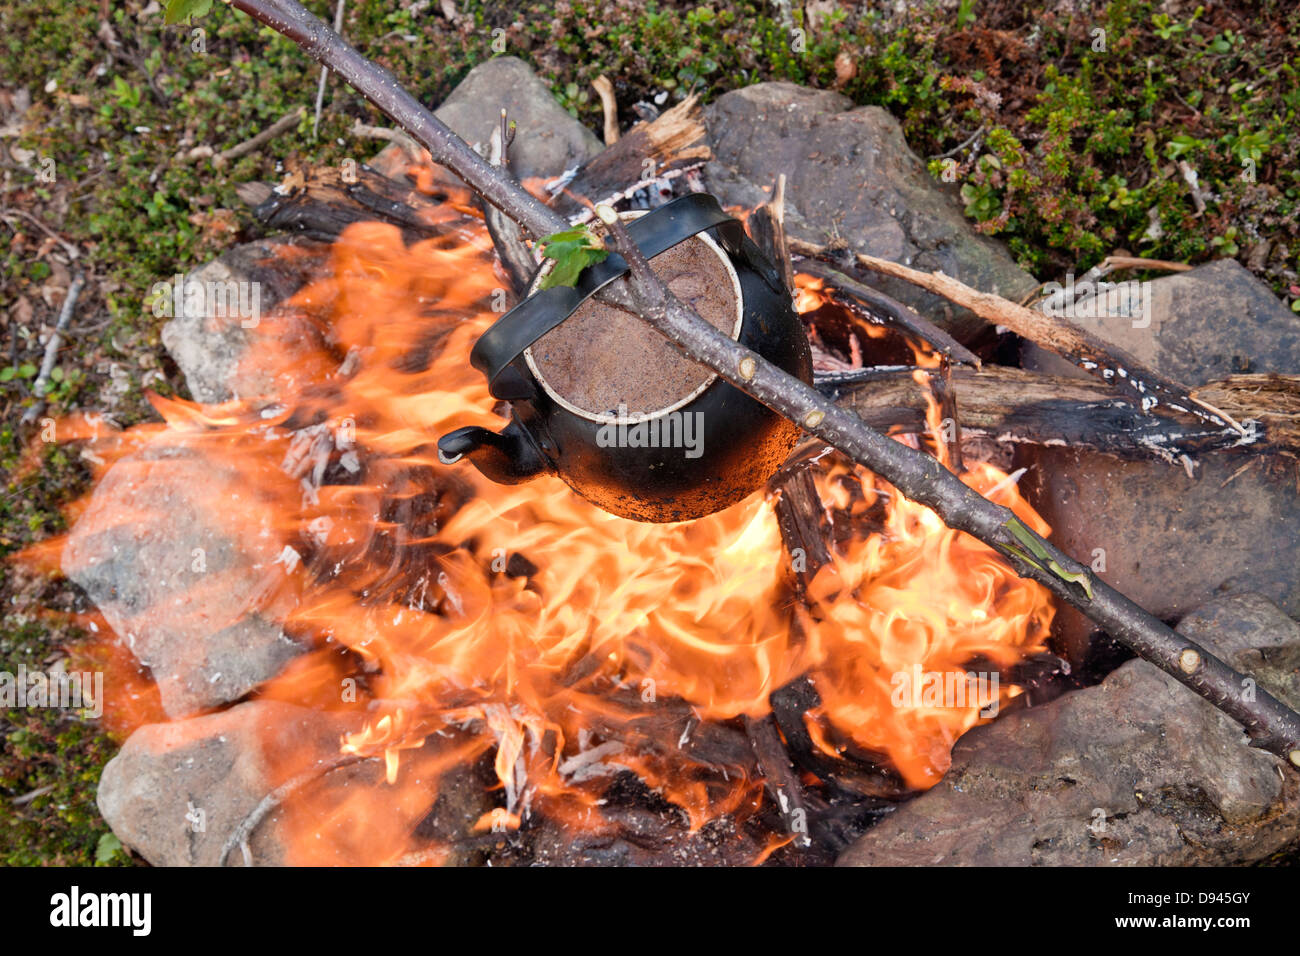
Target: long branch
(1270, 723)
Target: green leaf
(27, 370)
(108, 847)
(1179, 145)
(56, 374)
(573, 250)
(178, 10)
(8, 372)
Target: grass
(1073, 139)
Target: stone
(190, 593)
(176, 791)
(1168, 541)
(851, 176)
(547, 139)
(1204, 324)
(1136, 771)
(211, 344)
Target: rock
(220, 766)
(183, 587)
(1168, 541)
(850, 175)
(1205, 324)
(327, 810)
(547, 140)
(210, 339)
(1136, 771)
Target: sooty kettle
(603, 401)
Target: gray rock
(219, 768)
(1168, 541)
(1205, 324)
(547, 140)
(177, 583)
(210, 344)
(850, 175)
(1137, 771)
(175, 792)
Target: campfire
(596, 662)
(358, 648)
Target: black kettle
(603, 401)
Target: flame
(470, 619)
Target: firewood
(328, 203)
(1122, 371)
(875, 306)
(669, 144)
(1270, 723)
(1013, 405)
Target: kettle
(606, 403)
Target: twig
(960, 146)
(116, 49)
(1115, 263)
(286, 122)
(52, 350)
(31, 795)
(240, 836)
(516, 257)
(325, 73)
(1270, 723)
(72, 251)
(605, 90)
(413, 149)
(1194, 184)
(945, 395)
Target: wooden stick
(1023, 407)
(52, 350)
(605, 90)
(876, 306)
(325, 73)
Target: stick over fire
(1270, 724)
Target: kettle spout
(508, 457)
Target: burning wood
(826, 644)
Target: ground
(1063, 124)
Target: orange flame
(522, 621)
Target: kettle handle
(655, 232)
